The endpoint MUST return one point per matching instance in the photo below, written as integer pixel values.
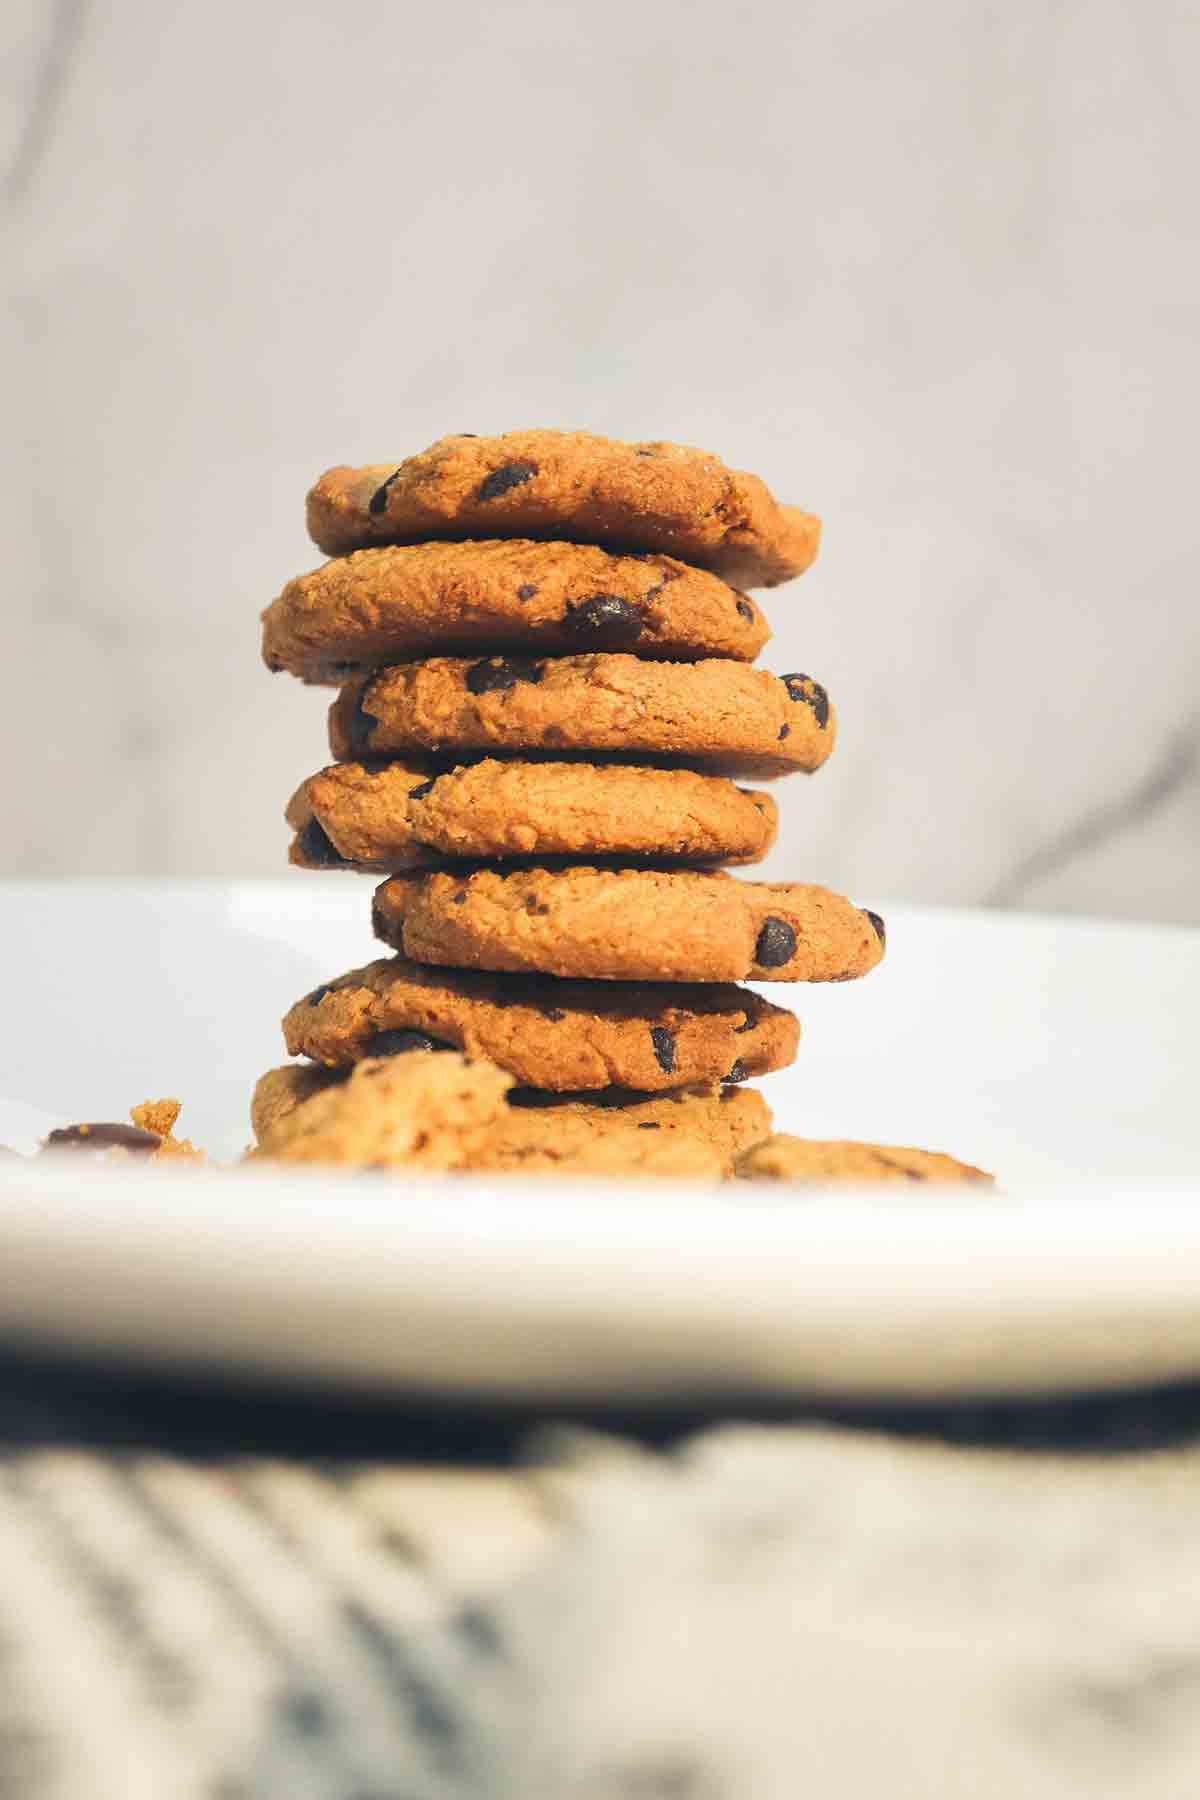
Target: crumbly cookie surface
(280, 1091)
(575, 1145)
(406, 816)
(628, 925)
(426, 1112)
(560, 1035)
(391, 604)
(542, 1131)
(570, 484)
(787, 1158)
(699, 1130)
(722, 717)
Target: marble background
(930, 268)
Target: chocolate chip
(360, 726)
(399, 1042)
(315, 847)
(419, 793)
(317, 995)
(111, 1136)
(878, 925)
(496, 674)
(803, 687)
(554, 1013)
(784, 731)
(746, 610)
(649, 1125)
(776, 944)
(664, 1047)
(510, 475)
(532, 1097)
(527, 590)
(739, 1071)
(820, 704)
(459, 898)
(603, 619)
(378, 500)
(748, 1024)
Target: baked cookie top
(426, 1112)
(574, 485)
(406, 815)
(388, 605)
(628, 925)
(787, 1158)
(721, 717)
(562, 1035)
(617, 1133)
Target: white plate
(1060, 1053)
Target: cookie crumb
(161, 1117)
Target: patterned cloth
(204, 1597)
(182, 1620)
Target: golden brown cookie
(787, 1158)
(570, 484)
(605, 1132)
(407, 816)
(628, 925)
(550, 1131)
(392, 604)
(578, 1145)
(280, 1091)
(563, 1035)
(721, 717)
(426, 1112)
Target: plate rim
(840, 1294)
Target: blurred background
(931, 269)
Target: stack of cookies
(547, 704)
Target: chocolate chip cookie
(389, 605)
(570, 484)
(429, 1113)
(614, 1132)
(280, 1091)
(403, 816)
(721, 717)
(786, 1158)
(628, 925)
(561, 1035)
